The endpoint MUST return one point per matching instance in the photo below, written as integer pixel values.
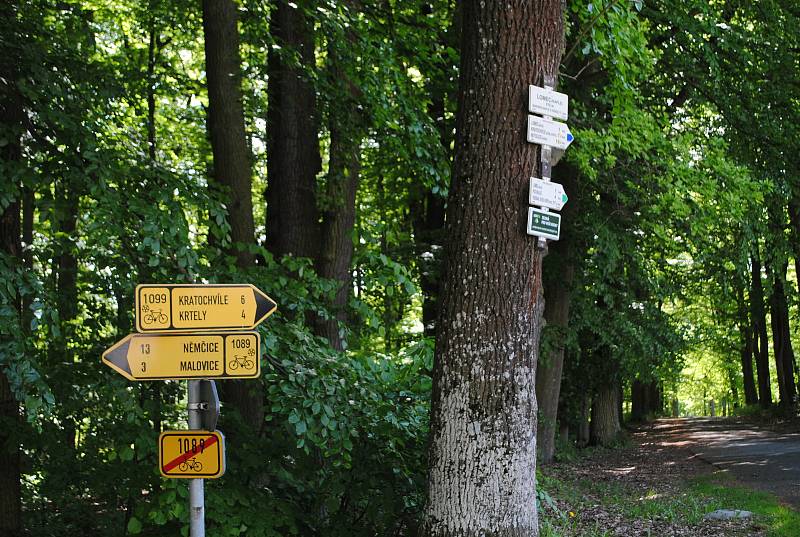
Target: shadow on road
(758, 457)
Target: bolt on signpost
(194, 332)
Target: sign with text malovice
(191, 454)
(548, 102)
(546, 132)
(543, 224)
(182, 308)
(232, 355)
(547, 194)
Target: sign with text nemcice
(186, 356)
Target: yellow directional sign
(186, 356)
(191, 454)
(182, 308)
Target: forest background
(320, 172)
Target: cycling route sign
(191, 454)
(212, 355)
(188, 307)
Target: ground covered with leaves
(653, 484)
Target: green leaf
(134, 526)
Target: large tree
(483, 422)
(12, 117)
(231, 169)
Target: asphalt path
(758, 457)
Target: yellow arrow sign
(191, 454)
(186, 356)
(182, 308)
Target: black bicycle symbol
(240, 361)
(191, 464)
(155, 316)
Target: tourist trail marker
(181, 308)
(543, 224)
(232, 355)
(547, 194)
(191, 454)
(548, 102)
(548, 132)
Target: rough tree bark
(427, 209)
(11, 120)
(746, 335)
(760, 341)
(548, 373)
(231, 169)
(336, 251)
(605, 418)
(483, 423)
(558, 274)
(344, 168)
(293, 159)
(638, 401)
(781, 336)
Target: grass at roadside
(779, 520)
(575, 505)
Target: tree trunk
(583, 435)
(428, 221)
(293, 159)
(638, 401)
(655, 404)
(605, 419)
(483, 419)
(428, 208)
(558, 274)
(346, 126)
(746, 334)
(11, 119)
(549, 371)
(794, 226)
(760, 341)
(231, 169)
(336, 252)
(781, 337)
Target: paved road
(758, 457)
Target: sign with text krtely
(189, 307)
(191, 454)
(186, 356)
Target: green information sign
(544, 224)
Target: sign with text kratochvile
(181, 308)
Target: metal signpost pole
(197, 519)
(549, 83)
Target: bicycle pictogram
(190, 464)
(240, 361)
(154, 316)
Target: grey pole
(197, 519)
